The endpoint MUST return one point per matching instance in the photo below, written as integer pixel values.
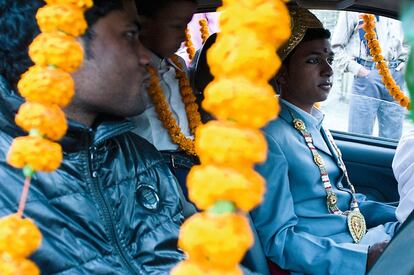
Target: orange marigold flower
(399, 96)
(375, 51)
(12, 266)
(49, 120)
(18, 237)
(56, 49)
(405, 102)
(64, 17)
(233, 54)
(47, 85)
(190, 268)
(39, 153)
(271, 23)
(218, 241)
(244, 188)
(370, 35)
(227, 98)
(378, 58)
(225, 143)
(82, 4)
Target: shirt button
(94, 174)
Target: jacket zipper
(107, 216)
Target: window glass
(358, 102)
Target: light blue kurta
(294, 226)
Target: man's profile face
(308, 75)
(109, 80)
(164, 33)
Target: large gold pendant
(356, 225)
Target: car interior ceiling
(388, 8)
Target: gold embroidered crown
(301, 20)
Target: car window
(358, 102)
(212, 19)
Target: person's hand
(400, 67)
(374, 252)
(363, 72)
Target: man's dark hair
(311, 34)
(150, 8)
(18, 28)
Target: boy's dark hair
(18, 28)
(150, 8)
(311, 34)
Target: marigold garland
(383, 70)
(189, 45)
(47, 87)
(227, 144)
(227, 98)
(56, 49)
(65, 18)
(242, 61)
(163, 109)
(244, 188)
(205, 33)
(49, 120)
(217, 241)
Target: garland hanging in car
(407, 18)
(204, 30)
(226, 186)
(383, 70)
(47, 87)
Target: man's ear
(281, 76)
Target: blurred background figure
(370, 100)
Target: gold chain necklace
(163, 109)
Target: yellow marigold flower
(47, 85)
(18, 237)
(244, 52)
(190, 268)
(82, 4)
(49, 120)
(40, 154)
(218, 241)
(56, 49)
(11, 266)
(208, 184)
(225, 143)
(271, 21)
(64, 17)
(227, 98)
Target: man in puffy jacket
(112, 207)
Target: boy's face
(164, 33)
(307, 77)
(110, 78)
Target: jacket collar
(78, 135)
(313, 124)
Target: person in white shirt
(403, 167)
(370, 100)
(163, 24)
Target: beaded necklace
(356, 221)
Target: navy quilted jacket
(112, 207)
